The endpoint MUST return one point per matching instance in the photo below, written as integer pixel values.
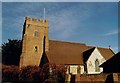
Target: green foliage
(11, 52)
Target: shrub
(49, 73)
(61, 73)
(10, 73)
(30, 73)
(44, 75)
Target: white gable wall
(91, 62)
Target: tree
(11, 52)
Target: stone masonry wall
(33, 41)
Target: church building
(79, 58)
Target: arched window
(97, 69)
(36, 34)
(36, 49)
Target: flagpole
(44, 14)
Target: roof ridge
(68, 42)
(103, 47)
(99, 47)
(89, 49)
(112, 51)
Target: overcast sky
(91, 23)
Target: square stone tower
(34, 41)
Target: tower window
(97, 69)
(36, 49)
(36, 34)
(29, 25)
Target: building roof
(112, 65)
(87, 54)
(107, 53)
(61, 52)
(113, 60)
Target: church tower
(34, 41)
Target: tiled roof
(107, 53)
(61, 52)
(113, 60)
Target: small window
(29, 25)
(97, 69)
(36, 49)
(36, 34)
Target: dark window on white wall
(97, 69)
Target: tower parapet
(36, 20)
(27, 18)
(40, 20)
